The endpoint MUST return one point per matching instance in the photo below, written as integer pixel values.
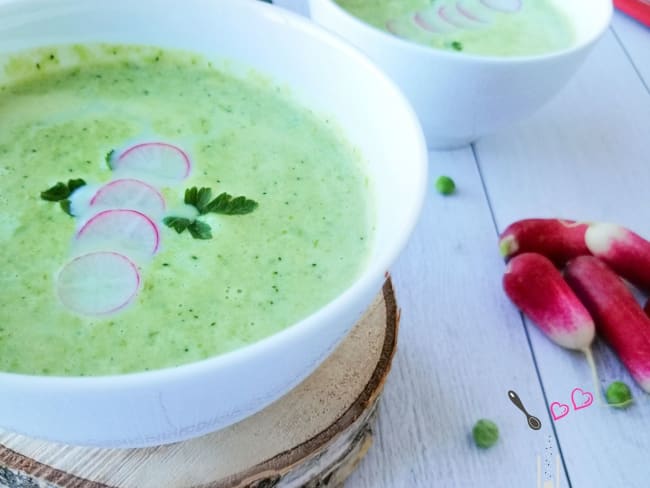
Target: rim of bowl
(368, 273)
(470, 57)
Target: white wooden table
(462, 346)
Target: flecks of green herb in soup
(71, 116)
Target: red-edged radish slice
(155, 161)
(472, 16)
(131, 194)
(429, 20)
(423, 24)
(445, 14)
(126, 231)
(508, 6)
(98, 283)
(390, 27)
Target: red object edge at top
(639, 9)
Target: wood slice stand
(313, 437)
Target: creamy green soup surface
(62, 110)
(485, 27)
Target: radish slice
(130, 194)
(429, 20)
(127, 231)
(390, 27)
(508, 6)
(98, 283)
(466, 12)
(423, 24)
(447, 16)
(155, 161)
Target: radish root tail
(594, 376)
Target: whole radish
(624, 251)
(537, 288)
(558, 240)
(619, 317)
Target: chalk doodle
(579, 399)
(548, 480)
(559, 410)
(533, 422)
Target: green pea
(445, 185)
(619, 395)
(485, 433)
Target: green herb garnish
(200, 230)
(61, 191)
(201, 199)
(109, 157)
(58, 192)
(179, 224)
(76, 183)
(225, 204)
(65, 206)
(457, 46)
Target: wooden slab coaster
(312, 437)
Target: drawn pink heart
(559, 410)
(581, 398)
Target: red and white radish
(98, 283)
(508, 6)
(558, 240)
(624, 251)
(125, 231)
(619, 317)
(154, 162)
(537, 288)
(130, 194)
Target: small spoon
(533, 422)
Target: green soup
(486, 27)
(260, 272)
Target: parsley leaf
(201, 199)
(56, 193)
(61, 190)
(227, 205)
(198, 198)
(109, 157)
(179, 224)
(222, 204)
(76, 183)
(200, 230)
(65, 206)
